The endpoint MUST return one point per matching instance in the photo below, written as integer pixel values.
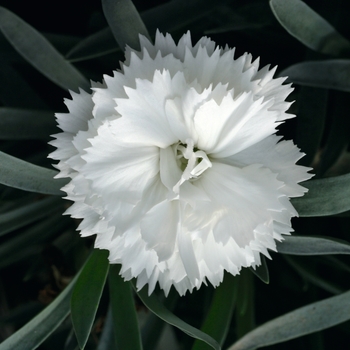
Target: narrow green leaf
(308, 319)
(153, 326)
(125, 22)
(312, 112)
(107, 341)
(309, 27)
(26, 214)
(154, 305)
(262, 272)
(327, 74)
(31, 335)
(21, 314)
(95, 45)
(19, 124)
(219, 316)
(38, 51)
(30, 241)
(126, 329)
(327, 196)
(25, 176)
(335, 263)
(167, 17)
(87, 293)
(245, 310)
(311, 245)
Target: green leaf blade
(38, 51)
(327, 74)
(167, 17)
(154, 305)
(305, 320)
(26, 214)
(219, 316)
(29, 241)
(327, 196)
(87, 293)
(126, 330)
(262, 271)
(125, 22)
(35, 332)
(309, 27)
(25, 176)
(308, 245)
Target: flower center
(192, 162)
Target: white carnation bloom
(175, 165)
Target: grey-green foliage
(327, 196)
(305, 320)
(87, 293)
(28, 213)
(327, 74)
(25, 176)
(154, 305)
(311, 245)
(125, 324)
(32, 334)
(309, 27)
(125, 22)
(39, 52)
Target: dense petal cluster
(175, 165)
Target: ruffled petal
(234, 125)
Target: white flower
(175, 166)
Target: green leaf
(21, 314)
(308, 319)
(98, 44)
(26, 214)
(154, 305)
(29, 242)
(168, 17)
(327, 196)
(311, 245)
(19, 124)
(153, 326)
(125, 22)
(38, 51)
(87, 293)
(31, 335)
(107, 341)
(327, 74)
(262, 272)
(218, 319)
(312, 112)
(245, 309)
(25, 176)
(126, 329)
(309, 27)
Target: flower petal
(234, 125)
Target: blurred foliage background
(40, 251)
